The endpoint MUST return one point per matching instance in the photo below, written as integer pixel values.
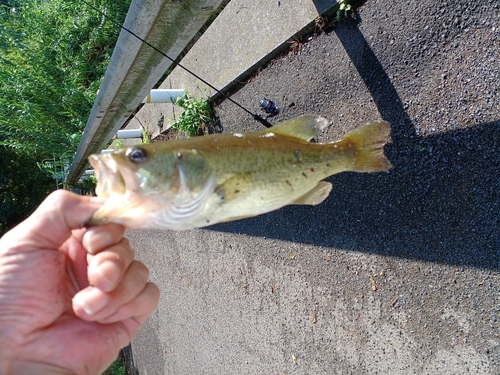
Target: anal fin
(316, 195)
(303, 127)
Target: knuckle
(128, 250)
(125, 243)
(142, 272)
(60, 198)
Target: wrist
(5, 353)
(20, 367)
(14, 363)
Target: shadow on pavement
(440, 202)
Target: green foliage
(196, 117)
(57, 168)
(53, 55)
(88, 185)
(146, 136)
(344, 10)
(22, 187)
(117, 368)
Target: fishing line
(256, 117)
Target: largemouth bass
(196, 182)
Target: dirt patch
(168, 135)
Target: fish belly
(269, 185)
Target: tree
(53, 55)
(22, 187)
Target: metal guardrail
(135, 68)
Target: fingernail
(109, 271)
(91, 301)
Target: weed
(117, 368)
(295, 46)
(321, 23)
(344, 10)
(146, 136)
(196, 117)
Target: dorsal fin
(303, 127)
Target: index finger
(52, 222)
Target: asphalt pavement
(395, 273)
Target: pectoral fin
(233, 199)
(316, 195)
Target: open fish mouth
(109, 179)
(119, 185)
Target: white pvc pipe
(104, 152)
(89, 172)
(128, 133)
(163, 96)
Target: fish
(195, 182)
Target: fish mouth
(121, 188)
(109, 179)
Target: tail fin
(369, 141)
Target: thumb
(52, 222)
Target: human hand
(70, 297)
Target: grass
(198, 114)
(118, 143)
(117, 368)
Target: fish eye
(137, 155)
